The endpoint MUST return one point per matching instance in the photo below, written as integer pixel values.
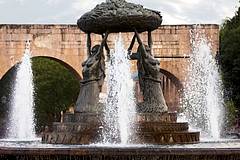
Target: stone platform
(150, 128)
(163, 128)
(119, 153)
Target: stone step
(185, 137)
(75, 127)
(69, 138)
(161, 127)
(139, 138)
(146, 117)
(156, 117)
(144, 126)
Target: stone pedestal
(150, 128)
(163, 128)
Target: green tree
(230, 60)
(6, 87)
(56, 88)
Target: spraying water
(21, 115)
(120, 106)
(203, 95)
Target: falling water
(120, 106)
(202, 97)
(21, 125)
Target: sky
(68, 11)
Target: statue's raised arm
(144, 52)
(132, 43)
(106, 46)
(138, 37)
(103, 43)
(89, 44)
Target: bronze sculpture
(149, 78)
(119, 16)
(93, 77)
(154, 125)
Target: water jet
(156, 132)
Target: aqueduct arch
(66, 65)
(66, 43)
(171, 87)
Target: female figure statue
(149, 78)
(93, 77)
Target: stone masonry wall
(67, 44)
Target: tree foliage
(230, 58)
(6, 89)
(56, 88)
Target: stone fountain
(80, 133)
(153, 123)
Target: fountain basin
(207, 150)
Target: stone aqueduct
(67, 44)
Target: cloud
(20, 1)
(53, 2)
(64, 11)
(197, 11)
(178, 11)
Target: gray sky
(68, 11)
